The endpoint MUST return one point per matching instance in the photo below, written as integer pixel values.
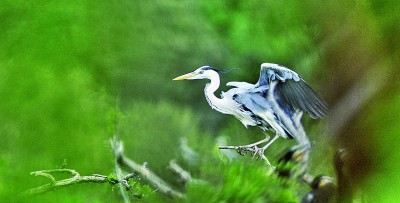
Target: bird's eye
(201, 72)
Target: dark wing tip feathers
(294, 89)
(301, 96)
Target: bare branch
(76, 179)
(120, 159)
(46, 175)
(156, 181)
(162, 186)
(184, 176)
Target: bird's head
(204, 72)
(321, 181)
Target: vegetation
(65, 65)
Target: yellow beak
(183, 77)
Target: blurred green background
(65, 65)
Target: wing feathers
(300, 95)
(293, 89)
(315, 100)
(270, 72)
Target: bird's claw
(241, 150)
(256, 151)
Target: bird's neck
(209, 91)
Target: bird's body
(256, 104)
(226, 104)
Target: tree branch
(162, 186)
(183, 175)
(120, 159)
(75, 179)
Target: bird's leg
(270, 142)
(260, 151)
(256, 143)
(252, 147)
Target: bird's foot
(241, 151)
(257, 152)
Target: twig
(162, 186)
(184, 176)
(76, 179)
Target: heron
(254, 104)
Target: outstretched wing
(293, 89)
(270, 72)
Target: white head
(204, 72)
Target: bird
(323, 191)
(277, 90)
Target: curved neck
(209, 90)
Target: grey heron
(253, 104)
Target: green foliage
(288, 169)
(136, 190)
(112, 178)
(140, 191)
(242, 181)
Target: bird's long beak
(184, 77)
